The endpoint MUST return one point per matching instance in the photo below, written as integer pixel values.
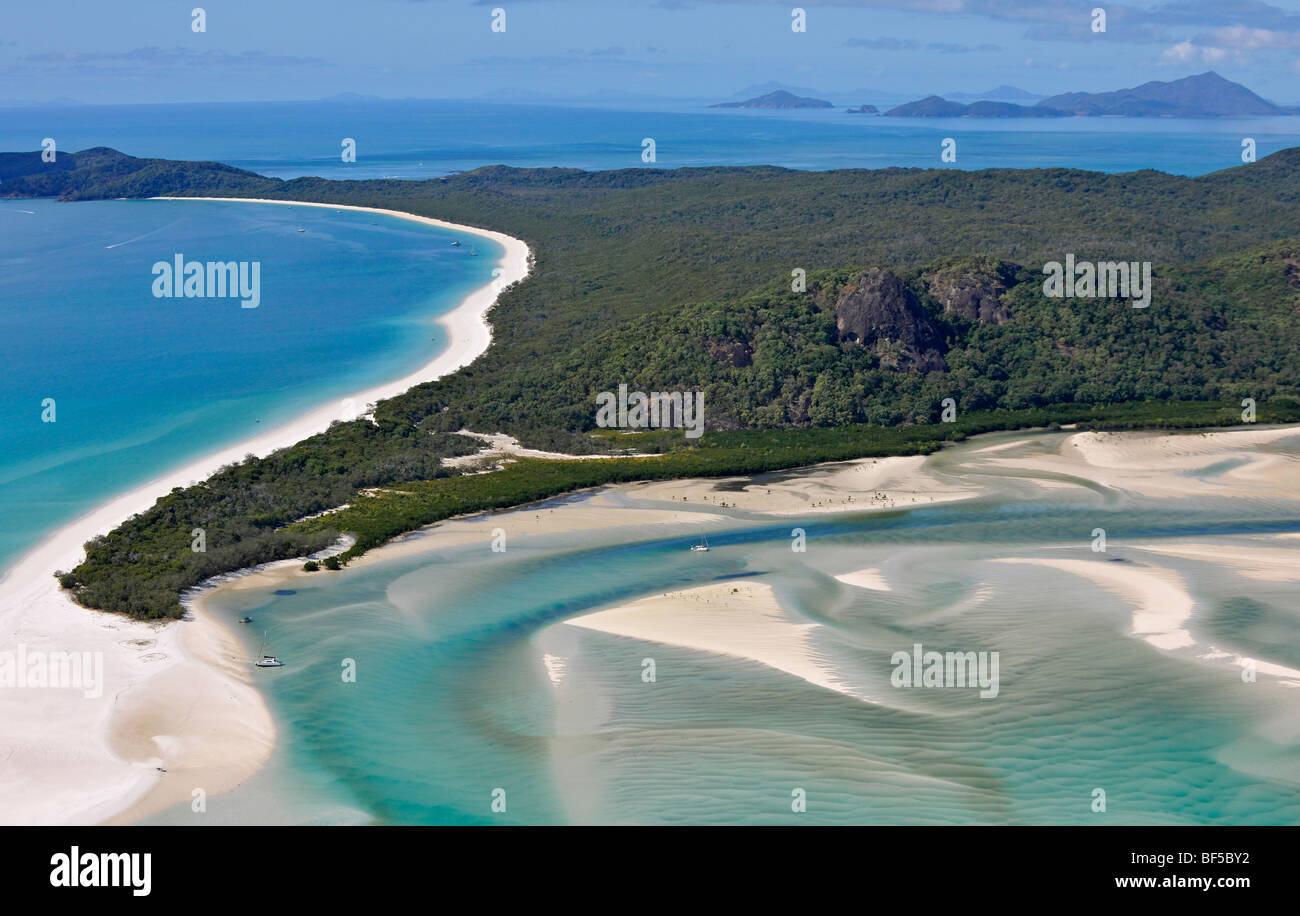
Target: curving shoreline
(96, 757)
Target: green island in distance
(921, 285)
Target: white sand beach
(1258, 561)
(865, 578)
(741, 618)
(66, 758)
(1140, 461)
(1167, 464)
(844, 486)
(1162, 604)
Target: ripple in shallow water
(469, 680)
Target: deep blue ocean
(427, 139)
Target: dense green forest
(918, 285)
(248, 509)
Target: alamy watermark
(75, 868)
(25, 668)
(946, 669)
(182, 279)
(656, 410)
(1103, 279)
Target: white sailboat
(267, 661)
(703, 545)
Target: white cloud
(1185, 52)
(1242, 38)
(154, 56)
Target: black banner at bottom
(275, 866)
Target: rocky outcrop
(973, 287)
(1293, 272)
(877, 311)
(736, 353)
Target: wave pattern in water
(470, 680)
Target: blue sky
(146, 50)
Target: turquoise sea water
(426, 139)
(454, 652)
(142, 385)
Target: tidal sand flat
(605, 673)
(740, 618)
(102, 751)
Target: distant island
(1206, 95)
(938, 107)
(778, 99)
(1001, 93)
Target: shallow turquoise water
(142, 385)
(454, 699)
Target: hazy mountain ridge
(1003, 93)
(1206, 95)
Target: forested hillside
(917, 285)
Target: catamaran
(703, 545)
(267, 661)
